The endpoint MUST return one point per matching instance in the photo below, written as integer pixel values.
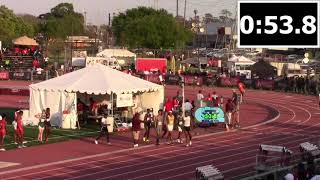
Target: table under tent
(100, 82)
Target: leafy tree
(149, 28)
(208, 18)
(12, 26)
(62, 21)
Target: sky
(97, 10)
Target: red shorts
(2, 133)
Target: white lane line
(211, 134)
(193, 164)
(7, 164)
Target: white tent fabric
(97, 79)
(239, 59)
(60, 93)
(116, 53)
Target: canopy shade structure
(97, 79)
(25, 41)
(240, 59)
(116, 53)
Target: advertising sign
(124, 100)
(209, 115)
(4, 75)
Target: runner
(104, 130)
(167, 107)
(3, 131)
(148, 120)
(136, 128)
(20, 129)
(215, 100)
(235, 114)
(229, 110)
(47, 125)
(170, 124)
(158, 123)
(242, 90)
(180, 127)
(200, 98)
(187, 125)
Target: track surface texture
(266, 118)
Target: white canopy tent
(116, 53)
(123, 56)
(60, 93)
(240, 64)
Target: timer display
(288, 24)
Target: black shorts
(187, 128)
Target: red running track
(266, 117)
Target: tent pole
(111, 103)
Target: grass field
(57, 135)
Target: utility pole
(184, 13)
(177, 8)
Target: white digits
(309, 21)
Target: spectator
(200, 98)
(148, 120)
(47, 125)
(170, 125)
(187, 129)
(159, 123)
(104, 130)
(188, 106)
(136, 128)
(229, 110)
(3, 131)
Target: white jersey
(200, 97)
(187, 121)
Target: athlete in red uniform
(20, 129)
(242, 89)
(3, 131)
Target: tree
(149, 28)
(62, 21)
(208, 18)
(12, 26)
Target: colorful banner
(4, 75)
(209, 115)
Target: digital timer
(288, 24)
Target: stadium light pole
(197, 28)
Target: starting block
(208, 172)
(310, 148)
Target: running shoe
(144, 139)
(136, 145)
(2, 149)
(190, 143)
(187, 145)
(96, 142)
(109, 143)
(20, 147)
(24, 146)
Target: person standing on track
(20, 129)
(242, 90)
(236, 113)
(170, 125)
(47, 125)
(158, 124)
(187, 125)
(180, 127)
(148, 120)
(104, 130)
(168, 106)
(3, 131)
(229, 110)
(200, 98)
(136, 128)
